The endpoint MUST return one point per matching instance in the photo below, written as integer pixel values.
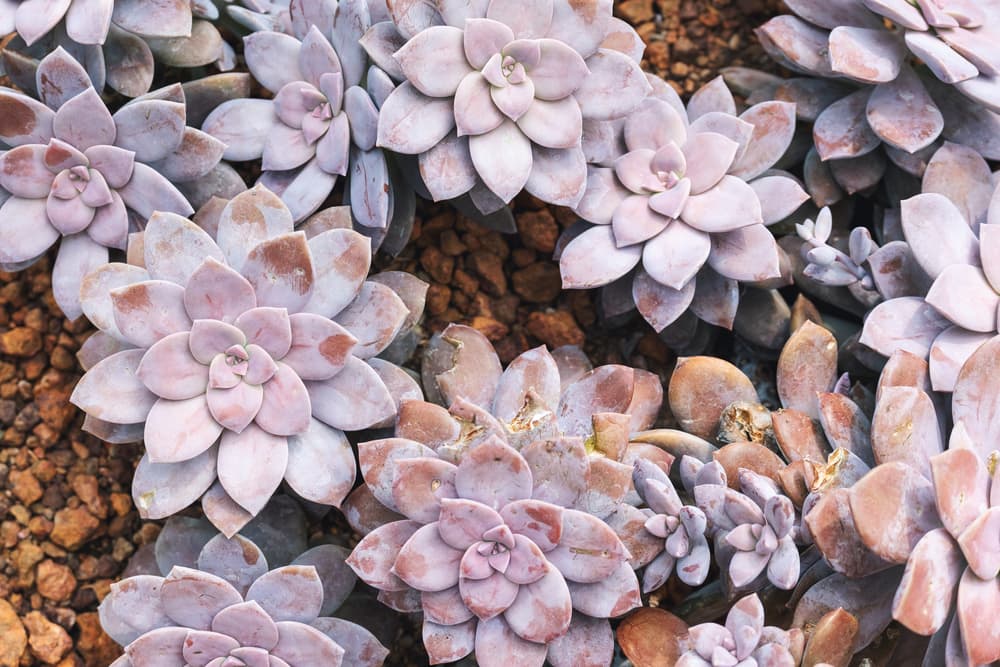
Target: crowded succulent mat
(578, 333)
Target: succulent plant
(77, 173)
(575, 421)
(323, 120)
(941, 506)
(690, 199)
(117, 41)
(681, 527)
(503, 90)
(872, 42)
(241, 358)
(958, 313)
(829, 265)
(89, 23)
(230, 609)
(498, 571)
(652, 636)
(744, 641)
(876, 44)
(880, 74)
(756, 527)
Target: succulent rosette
(116, 40)
(681, 527)
(690, 199)
(76, 173)
(496, 94)
(958, 312)
(874, 41)
(228, 608)
(941, 506)
(744, 641)
(241, 359)
(323, 120)
(754, 529)
(498, 572)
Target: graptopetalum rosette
(955, 243)
(496, 94)
(932, 509)
(525, 464)
(744, 641)
(76, 173)
(112, 37)
(873, 57)
(689, 197)
(498, 571)
(323, 120)
(229, 608)
(240, 359)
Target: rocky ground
(67, 523)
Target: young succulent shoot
(498, 572)
(754, 530)
(230, 609)
(76, 173)
(681, 527)
(503, 90)
(322, 123)
(240, 359)
(829, 265)
(680, 215)
(744, 641)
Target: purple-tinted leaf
(842, 130)
(903, 114)
(907, 323)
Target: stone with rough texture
(48, 641)
(14, 638)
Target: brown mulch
(67, 524)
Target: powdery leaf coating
(227, 353)
(908, 324)
(974, 403)
(893, 506)
(905, 428)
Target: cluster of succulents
(218, 177)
